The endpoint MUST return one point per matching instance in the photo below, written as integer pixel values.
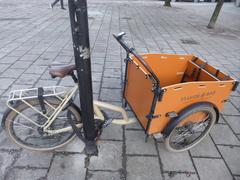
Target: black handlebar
(133, 52)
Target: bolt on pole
(80, 36)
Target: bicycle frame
(64, 101)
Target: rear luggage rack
(32, 93)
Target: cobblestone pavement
(32, 37)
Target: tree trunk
(167, 3)
(215, 14)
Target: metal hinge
(127, 59)
(159, 91)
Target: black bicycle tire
(188, 111)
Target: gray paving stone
(63, 59)
(5, 142)
(113, 64)
(96, 87)
(180, 176)
(205, 148)
(4, 67)
(212, 169)
(27, 79)
(36, 69)
(2, 54)
(22, 48)
(1, 92)
(235, 93)
(236, 102)
(175, 161)
(9, 59)
(97, 175)
(17, 53)
(6, 82)
(113, 131)
(111, 73)
(46, 82)
(222, 134)
(3, 100)
(67, 81)
(221, 120)
(26, 174)
(109, 157)
(38, 159)
(111, 83)
(229, 109)
(135, 126)
(97, 68)
(21, 65)
(29, 57)
(135, 142)
(67, 167)
(142, 168)
(6, 159)
(96, 76)
(234, 122)
(74, 146)
(232, 158)
(111, 95)
(12, 73)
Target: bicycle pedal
(106, 123)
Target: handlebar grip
(132, 51)
(119, 35)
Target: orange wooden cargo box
(158, 86)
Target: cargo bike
(177, 97)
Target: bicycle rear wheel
(28, 135)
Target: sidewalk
(32, 37)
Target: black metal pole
(80, 35)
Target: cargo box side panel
(179, 96)
(169, 68)
(138, 93)
(213, 71)
(193, 73)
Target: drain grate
(7, 4)
(189, 41)
(127, 18)
(13, 19)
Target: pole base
(91, 148)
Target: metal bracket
(236, 83)
(40, 99)
(151, 116)
(172, 114)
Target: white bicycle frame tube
(68, 95)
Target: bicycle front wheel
(194, 124)
(28, 135)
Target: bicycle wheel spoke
(20, 124)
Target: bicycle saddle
(61, 71)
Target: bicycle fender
(183, 114)
(6, 113)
